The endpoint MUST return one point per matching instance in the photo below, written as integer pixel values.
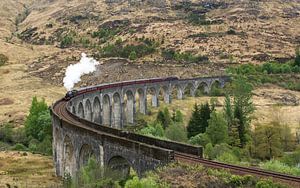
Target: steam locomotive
(70, 94)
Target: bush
(176, 132)
(277, 166)
(201, 139)
(141, 183)
(20, 147)
(19, 136)
(292, 159)
(228, 157)
(146, 47)
(154, 129)
(6, 132)
(214, 152)
(133, 56)
(268, 184)
(3, 59)
(66, 41)
(198, 19)
(169, 54)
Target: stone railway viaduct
(90, 124)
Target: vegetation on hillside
(93, 175)
(36, 136)
(281, 74)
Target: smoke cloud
(75, 71)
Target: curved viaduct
(90, 124)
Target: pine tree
(193, 128)
(164, 118)
(199, 120)
(177, 116)
(234, 139)
(243, 107)
(205, 112)
(228, 111)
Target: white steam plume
(75, 71)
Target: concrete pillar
(180, 93)
(130, 110)
(142, 93)
(167, 96)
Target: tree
(164, 118)
(177, 116)
(200, 139)
(176, 132)
(199, 120)
(133, 55)
(217, 129)
(38, 119)
(228, 114)
(242, 107)
(267, 141)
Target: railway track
(239, 169)
(60, 109)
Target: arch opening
(117, 110)
(88, 110)
(129, 107)
(73, 110)
(201, 90)
(80, 110)
(216, 89)
(152, 95)
(106, 111)
(189, 90)
(97, 111)
(86, 153)
(120, 166)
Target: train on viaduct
(89, 122)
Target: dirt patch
(6, 101)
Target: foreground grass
(23, 169)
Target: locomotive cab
(70, 94)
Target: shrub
(6, 132)
(19, 136)
(141, 183)
(20, 147)
(169, 54)
(268, 184)
(67, 41)
(292, 159)
(201, 139)
(154, 129)
(118, 49)
(228, 157)
(277, 166)
(3, 59)
(176, 132)
(133, 56)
